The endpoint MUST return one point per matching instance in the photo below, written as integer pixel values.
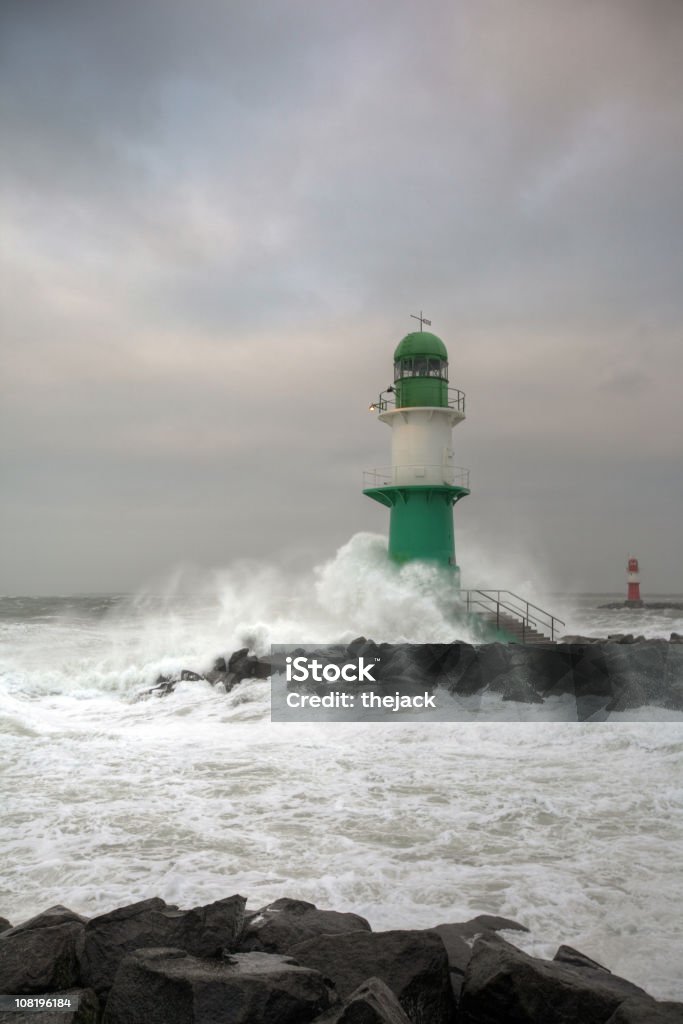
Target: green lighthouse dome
(421, 370)
(420, 343)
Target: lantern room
(421, 371)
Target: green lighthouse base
(421, 524)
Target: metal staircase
(524, 622)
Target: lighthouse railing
(386, 400)
(529, 616)
(388, 476)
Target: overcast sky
(217, 218)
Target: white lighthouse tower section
(421, 444)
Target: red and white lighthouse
(633, 597)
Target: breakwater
(594, 677)
(292, 963)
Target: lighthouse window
(404, 368)
(421, 366)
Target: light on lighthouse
(422, 484)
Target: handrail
(386, 476)
(545, 619)
(456, 400)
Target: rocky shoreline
(620, 673)
(292, 963)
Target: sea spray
(575, 830)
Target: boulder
(361, 647)
(244, 665)
(484, 923)
(205, 931)
(49, 918)
(647, 1011)
(218, 675)
(86, 1011)
(459, 951)
(41, 955)
(4, 924)
(163, 685)
(373, 1002)
(674, 666)
(640, 662)
(590, 673)
(284, 923)
(168, 986)
(413, 964)
(546, 669)
(628, 697)
(520, 690)
(504, 984)
(495, 663)
(568, 955)
(461, 670)
(674, 696)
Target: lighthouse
(422, 484)
(633, 598)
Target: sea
(574, 829)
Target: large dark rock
(459, 951)
(521, 691)
(41, 955)
(484, 923)
(628, 696)
(284, 923)
(5, 925)
(495, 664)
(544, 669)
(461, 670)
(504, 984)
(49, 918)
(204, 931)
(674, 668)
(568, 955)
(87, 1012)
(168, 986)
(640, 664)
(647, 1011)
(413, 964)
(373, 1002)
(243, 665)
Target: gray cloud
(217, 220)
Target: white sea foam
(574, 829)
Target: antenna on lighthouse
(422, 319)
